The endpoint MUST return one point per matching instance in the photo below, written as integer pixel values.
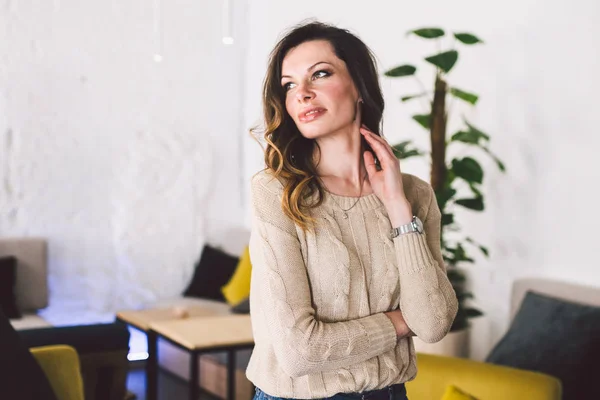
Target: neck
(341, 159)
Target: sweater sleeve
(427, 299)
(281, 289)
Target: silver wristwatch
(414, 226)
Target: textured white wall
(537, 77)
(126, 165)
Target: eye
(287, 86)
(321, 74)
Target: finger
(381, 140)
(370, 164)
(381, 151)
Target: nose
(304, 93)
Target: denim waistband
(387, 393)
(394, 392)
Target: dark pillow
(8, 278)
(213, 270)
(558, 338)
(21, 377)
(242, 308)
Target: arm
(302, 344)
(427, 299)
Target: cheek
(341, 96)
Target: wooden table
(201, 335)
(141, 320)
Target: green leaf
(467, 38)
(468, 169)
(475, 190)
(475, 204)
(500, 164)
(423, 119)
(477, 131)
(466, 96)
(464, 296)
(459, 255)
(447, 219)
(456, 276)
(483, 249)
(460, 322)
(428, 33)
(413, 96)
(443, 195)
(470, 137)
(402, 70)
(403, 150)
(473, 313)
(445, 61)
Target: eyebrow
(309, 68)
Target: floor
(170, 387)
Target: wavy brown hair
(289, 156)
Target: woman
(344, 271)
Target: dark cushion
(242, 308)
(21, 377)
(558, 338)
(8, 278)
(213, 270)
(84, 338)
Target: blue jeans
(394, 392)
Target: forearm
(427, 301)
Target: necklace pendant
(345, 215)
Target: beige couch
(32, 284)
(566, 291)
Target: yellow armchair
(60, 364)
(482, 380)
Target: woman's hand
(387, 182)
(402, 330)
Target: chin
(314, 131)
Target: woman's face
(321, 96)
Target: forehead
(303, 56)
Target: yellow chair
(481, 380)
(60, 363)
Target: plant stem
(438, 135)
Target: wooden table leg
(231, 374)
(152, 366)
(194, 371)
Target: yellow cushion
(238, 287)
(454, 393)
(60, 363)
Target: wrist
(400, 213)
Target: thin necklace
(345, 211)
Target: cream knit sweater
(317, 298)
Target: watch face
(418, 224)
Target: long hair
(289, 156)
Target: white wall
(129, 166)
(537, 78)
(126, 165)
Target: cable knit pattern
(318, 298)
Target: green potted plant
(456, 181)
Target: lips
(310, 114)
